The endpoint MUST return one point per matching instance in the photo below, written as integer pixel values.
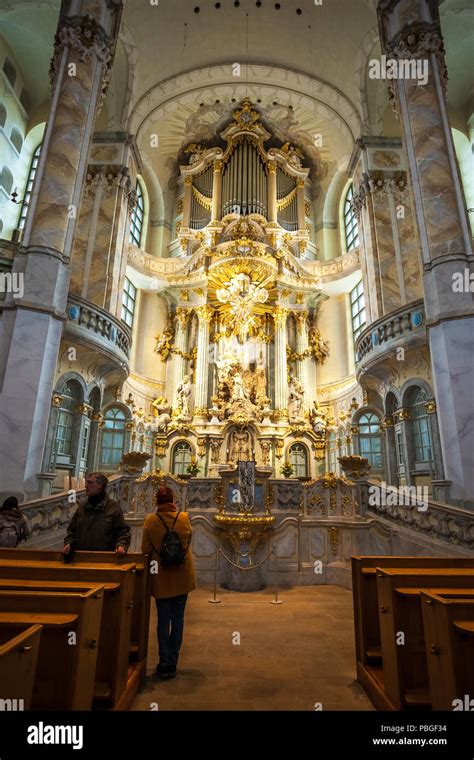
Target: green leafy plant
(287, 470)
(192, 468)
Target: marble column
(272, 193)
(202, 365)
(389, 249)
(302, 345)
(410, 32)
(217, 191)
(180, 347)
(281, 372)
(31, 326)
(100, 250)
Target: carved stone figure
(183, 396)
(318, 419)
(215, 449)
(239, 393)
(295, 400)
(160, 423)
(265, 447)
(241, 446)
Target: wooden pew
(405, 674)
(141, 594)
(19, 647)
(449, 640)
(113, 661)
(66, 668)
(364, 589)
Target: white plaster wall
(332, 323)
(150, 320)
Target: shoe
(171, 671)
(163, 671)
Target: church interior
(236, 261)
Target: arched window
(370, 440)
(136, 228)
(420, 427)
(129, 298)
(358, 315)
(3, 115)
(6, 180)
(299, 460)
(350, 221)
(113, 437)
(182, 454)
(29, 188)
(65, 421)
(16, 139)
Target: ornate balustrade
(49, 516)
(401, 327)
(433, 519)
(88, 322)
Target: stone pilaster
(410, 32)
(178, 365)
(281, 379)
(389, 248)
(104, 225)
(31, 327)
(202, 365)
(302, 369)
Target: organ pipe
(244, 181)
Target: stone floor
(290, 657)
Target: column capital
(218, 166)
(402, 415)
(85, 35)
(205, 313)
(301, 317)
(272, 167)
(182, 315)
(280, 314)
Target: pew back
(448, 625)
(19, 648)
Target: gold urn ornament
(354, 466)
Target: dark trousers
(170, 627)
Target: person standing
(14, 526)
(97, 525)
(172, 583)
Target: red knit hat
(164, 495)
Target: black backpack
(171, 551)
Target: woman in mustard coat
(171, 584)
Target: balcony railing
(407, 322)
(88, 321)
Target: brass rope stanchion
(276, 600)
(214, 599)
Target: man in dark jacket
(98, 524)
